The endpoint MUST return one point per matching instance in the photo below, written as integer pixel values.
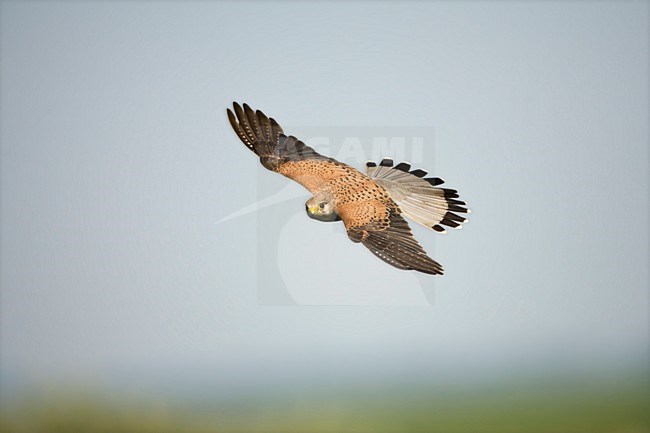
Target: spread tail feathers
(419, 197)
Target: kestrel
(371, 205)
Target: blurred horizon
(577, 404)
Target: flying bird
(372, 206)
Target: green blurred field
(570, 407)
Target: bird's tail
(418, 196)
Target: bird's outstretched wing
(381, 229)
(281, 153)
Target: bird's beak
(312, 209)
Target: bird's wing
(281, 153)
(418, 197)
(381, 229)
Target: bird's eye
(321, 205)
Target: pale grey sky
(118, 160)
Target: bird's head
(321, 208)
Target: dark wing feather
(265, 137)
(393, 242)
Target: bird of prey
(372, 206)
